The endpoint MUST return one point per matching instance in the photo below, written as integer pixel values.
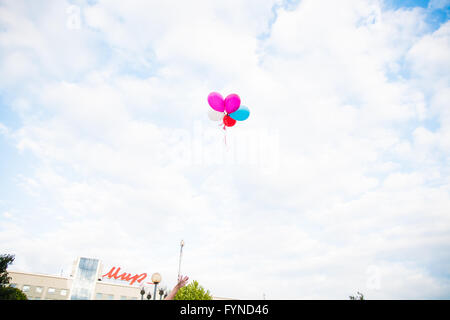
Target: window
(63, 292)
(26, 288)
(38, 289)
(98, 296)
(83, 285)
(51, 290)
(109, 297)
(123, 298)
(13, 285)
(87, 269)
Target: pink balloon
(216, 102)
(232, 103)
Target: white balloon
(215, 115)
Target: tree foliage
(7, 292)
(10, 293)
(193, 291)
(5, 260)
(359, 296)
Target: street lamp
(142, 292)
(161, 293)
(156, 278)
(179, 264)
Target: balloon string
(225, 131)
(225, 136)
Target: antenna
(179, 263)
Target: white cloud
(7, 214)
(438, 4)
(359, 175)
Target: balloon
(232, 103)
(216, 101)
(228, 121)
(240, 114)
(215, 115)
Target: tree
(7, 292)
(193, 291)
(359, 296)
(10, 293)
(5, 260)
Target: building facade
(84, 283)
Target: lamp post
(181, 252)
(161, 292)
(156, 278)
(142, 292)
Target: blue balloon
(240, 114)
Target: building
(84, 283)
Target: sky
(338, 182)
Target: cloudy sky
(338, 182)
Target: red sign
(114, 274)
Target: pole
(154, 293)
(179, 264)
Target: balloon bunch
(228, 110)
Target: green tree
(10, 293)
(5, 260)
(193, 291)
(7, 292)
(359, 296)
